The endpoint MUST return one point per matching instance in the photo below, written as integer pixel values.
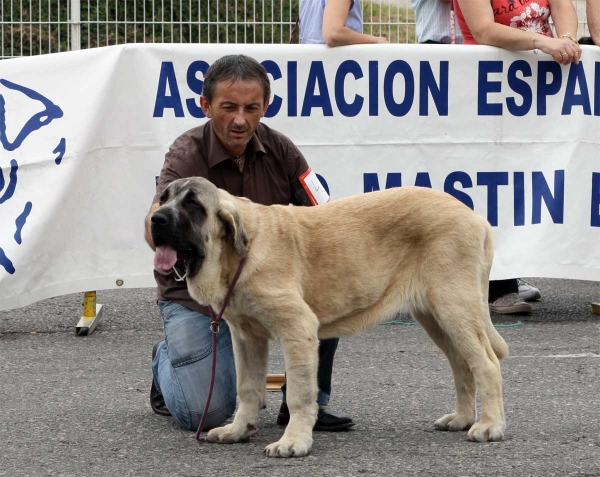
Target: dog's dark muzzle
(160, 219)
(168, 230)
(165, 231)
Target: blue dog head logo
(8, 185)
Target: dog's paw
(288, 448)
(226, 435)
(454, 422)
(481, 432)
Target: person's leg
(327, 349)
(328, 419)
(183, 364)
(500, 288)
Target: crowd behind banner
(83, 136)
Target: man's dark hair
(235, 68)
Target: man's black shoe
(327, 420)
(157, 402)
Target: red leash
(214, 327)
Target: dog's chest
(247, 324)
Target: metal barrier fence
(31, 27)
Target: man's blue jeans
(183, 364)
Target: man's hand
(148, 224)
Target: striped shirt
(432, 18)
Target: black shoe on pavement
(157, 402)
(327, 420)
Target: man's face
(235, 110)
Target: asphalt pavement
(78, 406)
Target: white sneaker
(510, 304)
(528, 292)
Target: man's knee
(188, 334)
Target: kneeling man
(238, 153)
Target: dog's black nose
(160, 219)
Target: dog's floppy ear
(233, 226)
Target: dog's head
(194, 223)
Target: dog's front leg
(251, 355)
(300, 349)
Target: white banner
(83, 137)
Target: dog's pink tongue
(165, 257)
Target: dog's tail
(498, 344)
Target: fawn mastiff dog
(336, 270)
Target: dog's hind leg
(465, 413)
(460, 318)
(251, 353)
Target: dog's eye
(163, 197)
(193, 202)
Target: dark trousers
(500, 288)
(327, 350)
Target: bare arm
(564, 17)
(147, 223)
(480, 20)
(335, 31)
(593, 18)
